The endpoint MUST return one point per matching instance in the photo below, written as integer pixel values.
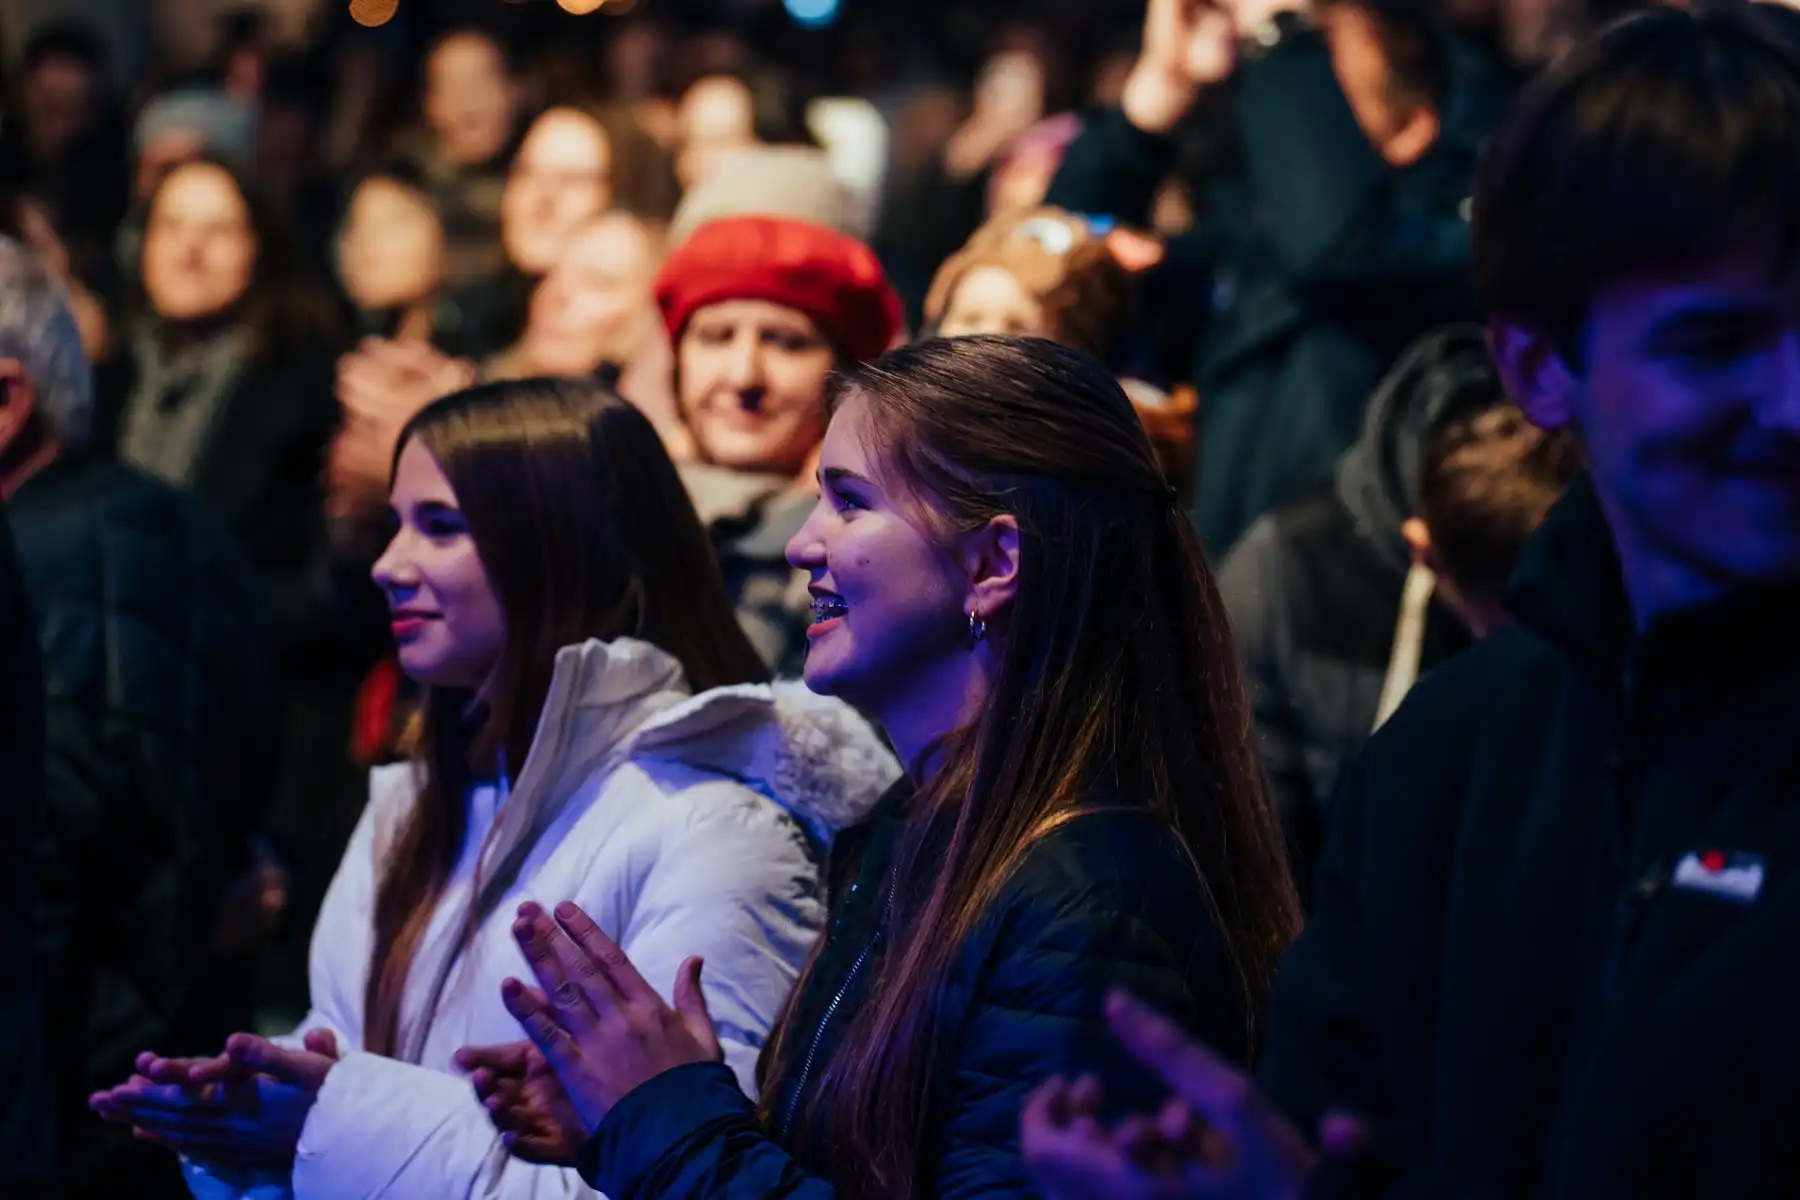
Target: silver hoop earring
(977, 629)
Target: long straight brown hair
(584, 531)
(1117, 676)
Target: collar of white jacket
(627, 699)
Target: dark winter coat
(27, 1131)
(1314, 589)
(1107, 900)
(262, 470)
(1307, 276)
(162, 721)
(1551, 949)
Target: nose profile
(806, 549)
(392, 572)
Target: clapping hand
(243, 1108)
(1218, 1136)
(602, 1029)
(525, 1102)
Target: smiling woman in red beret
(761, 311)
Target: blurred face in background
(470, 100)
(199, 247)
(992, 300)
(56, 103)
(561, 178)
(391, 253)
(752, 378)
(717, 117)
(595, 305)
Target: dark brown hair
(1118, 676)
(1486, 480)
(1658, 146)
(585, 531)
(643, 170)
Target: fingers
(259, 1054)
(1086, 1097)
(322, 1041)
(532, 1011)
(1198, 1076)
(507, 1059)
(1045, 1109)
(538, 937)
(690, 1002)
(622, 978)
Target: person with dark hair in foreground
(1002, 580)
(161, 720)
(1551, 952)
(27, 1129)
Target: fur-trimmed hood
(814, 756)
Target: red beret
(832, 278)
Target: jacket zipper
(812, 1051)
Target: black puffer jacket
(1314, 589)
(27, 1141)
(161, 725)
(1107, 900)
(1552, 949)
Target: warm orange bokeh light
(373, 12)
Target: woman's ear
(991, 559)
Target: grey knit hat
(796, 182)
(226, 127)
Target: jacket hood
(612, 701)
(814, 756)
(1446, 372)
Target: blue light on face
(813, 14)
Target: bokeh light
(373, 12)
(579, 7)
(813, 14)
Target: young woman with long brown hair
(596, 726)
(1002, 580)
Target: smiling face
(1687, 407)
(447, 621)
(753, 378)
(889, 602)
(595, 306)
(561, 178)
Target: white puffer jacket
(683, 825)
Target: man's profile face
(1687, 404)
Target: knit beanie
(832, 278)
(797, 182)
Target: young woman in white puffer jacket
(595, 728)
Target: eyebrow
(832, 476)
(1702, 315)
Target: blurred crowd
(284, 238)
